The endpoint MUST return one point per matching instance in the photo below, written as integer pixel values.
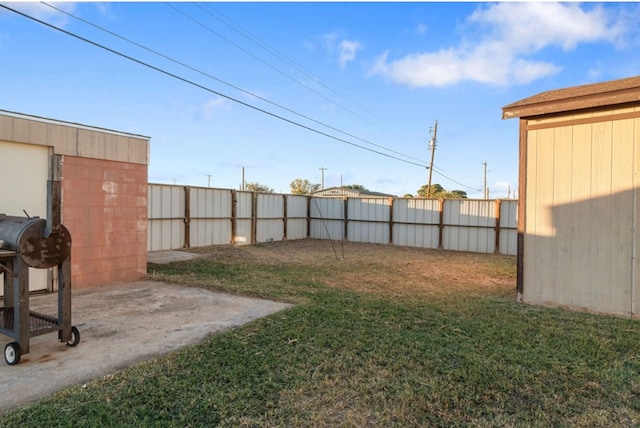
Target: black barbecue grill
(31, 242)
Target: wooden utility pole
(486, 194)
(322, 169)
(432, 145)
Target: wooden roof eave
(538, 108)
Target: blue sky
(377, 75)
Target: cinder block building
(104, 192)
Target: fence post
(284, 219)
(234, 216)
(309, 216)
(441, 224)
(187, 217)
(391, 200)
(254, 217)
(346, 219)
(497, 211)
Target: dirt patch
(378, 268)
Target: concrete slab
(163, 257)
(119, 326)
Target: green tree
(408, 195)
(354, 187)
(437, 192)
(303, 187)
(257, 187)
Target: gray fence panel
(244, 210)
(296, 217)
(165, 213)
(416, 222)
(270, 217)
(327, 218)
(509, 227)
(210, 211)
(469, 225)
(368, 220)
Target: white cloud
(514, 32)
(209, 108)
(348, 50)
(46, 13)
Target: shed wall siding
(581, 214)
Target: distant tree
(408, 195)
(437, 192)
(354, 187)
(303, 187)
(459, 194)
(257, 187)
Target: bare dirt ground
(387, 268)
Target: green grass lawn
(395, 340)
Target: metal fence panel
(416, 211)
(370, 209)
(296, 217)
(373, 233)
(327, 218)
(469, 225)
(415, 235)
(165, 213)
(509, 226)
(210, 211)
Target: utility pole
(486, 194)
(322, 170)
(432, 145)
(242, 178)
(208, 180)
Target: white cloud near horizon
(513, 33)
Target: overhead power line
(273, 67)
(175, 61)
(282, 57)
(197, 85)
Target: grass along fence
(189, 217)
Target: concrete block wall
(104, 206)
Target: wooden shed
(104, 192)
(579, 198)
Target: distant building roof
(353, 193)
(602, 94)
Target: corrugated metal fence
(184, 217)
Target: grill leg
(64, 299)
(21, 314)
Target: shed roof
(621, 91)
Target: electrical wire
(272, 66)
(282, 57)
(197, 85)
(440, 173)
(168, 58)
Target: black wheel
(12, 353)
(75, 337)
